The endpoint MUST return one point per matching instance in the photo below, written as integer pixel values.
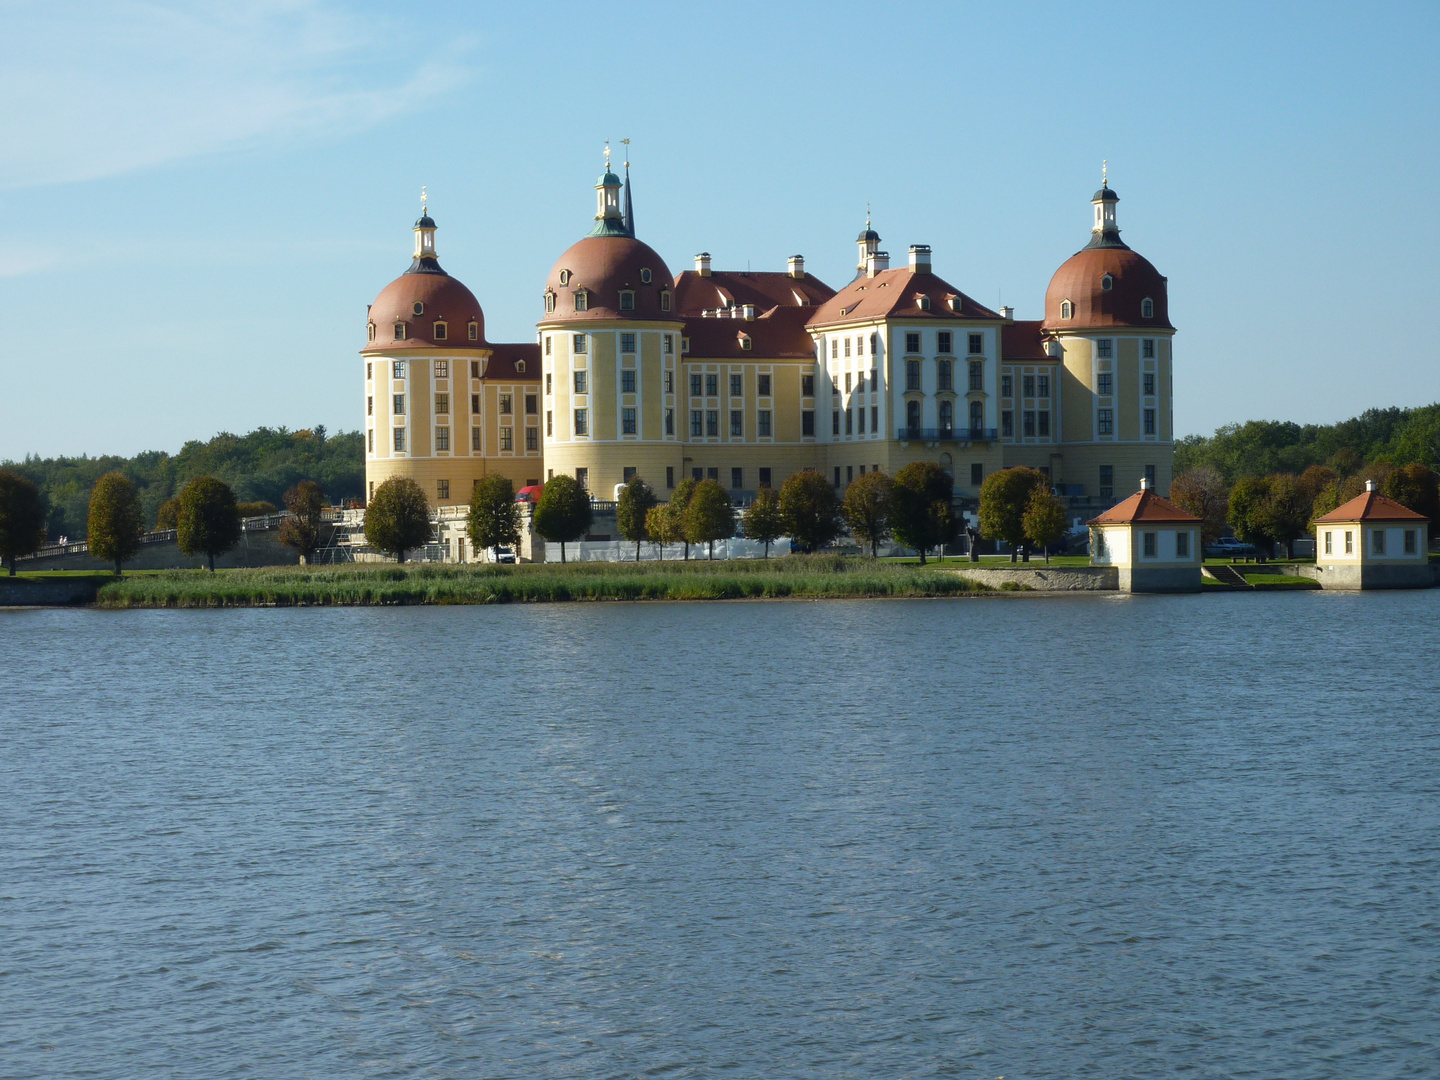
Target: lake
(1079, 836)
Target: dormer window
(473, 331)
(1147, 308)
(645, 276)
(520, 366)
(399, 331)
(955, 304)
(582, 300)
(441, 330)
(549, 302)
(418, 308)
(564, 277)
(370, 331)
(1107, 283)
(745, 342)
(684, 345)
(627, 300)
(924, 302)
(664, 300)
(1067, 309)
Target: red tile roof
(1145, 506)
(778, 334)
(502, 363)
(895, 293)
(695, 293)
(1023, 341)
(1371, 506)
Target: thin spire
(629, 206)
(1105, 172)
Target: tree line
(259, 468)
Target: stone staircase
(1228, 576)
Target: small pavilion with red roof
(1153, 544)
(1372, 542)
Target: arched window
(1147, 308)
(549, 301)
(924, 302)
(947, 416)
(912, 418)
(627, 300)
(520, 366)
(474, 331)
(664, 300)
(370, 331)
(977, 419)
(399, 331)
(1067, 310)
(441, 331)
(582, 300)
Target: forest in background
(259, 466)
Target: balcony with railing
(945, 434)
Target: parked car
(1228, 547)
(504, 555)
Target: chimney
(796, 266)
(877, 262)
(920, 258)
(702, 264)
(1144, 483)
(749, 310)
(1007, 313)
(1369, 485)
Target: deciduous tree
(494, 517)
(301, 527)
(208, 523)
(811, 510)
(168, 515)
(869, 503)
(632, 511)
(115, 524)
(1202, 492)
(660, 526)
(255, 508)
(1044, 520)
(22, 518)
(563, 514)
(397, 518)
(709, 517)
(679, 500)
(763, 520)
(1003, 498)
(921, 515)
(1415, 486)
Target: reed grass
(815, 576)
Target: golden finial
(626, 143)
(607, 155)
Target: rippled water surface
(1049, 837)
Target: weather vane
(626, 143)
(1105, 172)
(424, 199)
(607, 155)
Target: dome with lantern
(425, 308)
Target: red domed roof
(604, 266)
(441, 299)
(1081, 280)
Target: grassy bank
(815, 576)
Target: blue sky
(199, 200)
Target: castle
(746, 377)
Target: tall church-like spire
(629, 206)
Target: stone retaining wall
(1043, 579)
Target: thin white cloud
(100, 89)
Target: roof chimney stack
(1144, 483)
(796, 266)
(1007, 313)
(920, 258)
(749, 310)
(877, 262)
(702, 264)
(1369, 485)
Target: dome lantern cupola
(869, 243)
(609, 218)
(1105, 233)
(424, 261)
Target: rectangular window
(847, 382)
(1410, 542)
(548, 339)
(1029, 428)
(368, 373)
(370, 405)
(1027, 384)
(859, 345)
(977, 374)
(669, 421)
(1106, 421)
(397, 369)
(1329, 548)
(532, 405)
(943, 342)
(695, 386)
(835, 422)
(582, 477)
(475, 438)
(736, 386)
(762, 385)
(669, 382)
(943, 379)
(762, 423)
(581, 422)
(1149, 382)
(977, 344)
(1182, 545)
(712, 423)
(627, 421)
(737, 478)
(834, 348)
(548, 389)
(550, 422)
(474, 369)
(712, 474)
(712, 385)
(874, 379)
(371, 440)
(1147, 541)
(627, 382)
(837, 475)
(875, 418)
(807, 422)
(860, 421)
(579, 382)
(697, 423)
(1377, 541)
(1150, 476)
(1007, 386)
(532, 438)
(912, 343)
(627, 343)
(849, 422)
(1104, 348)
(1007, 424)
(697, 475)
(1107, 481)
(977, 474)
(400, 439)
(627, 473)
(1105, 384)
(399, 405)
(1147, 348)
(669, 476)
(474, 404)
(442, 404)
(874, 344)
(442, 438)
(442, 371)
(912, 375)
(579, 343)
(847, 346)
(1149, 421)
(442, 489)
(850, 474)
(1042, 385)
(1349, 542)
(764, 477)
(807, 385)
(507, 438)
(505, 400)
(1043, 423)
(669, 341)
